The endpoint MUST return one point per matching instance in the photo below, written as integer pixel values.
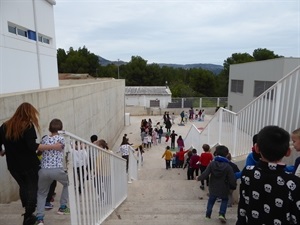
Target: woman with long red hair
(18, 136)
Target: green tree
(181, 89)
(264, 54)
(202, 82)
(61, 59)
(135, 71)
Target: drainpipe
(37, 43)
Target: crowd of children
(269, 189)
(192, 115)
(269, 192)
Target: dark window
(261, 86)
(22, 32)
(154, 103)
(12, 29)
(237, 86)
(46, 40)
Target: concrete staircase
(158, 197)
(163, 197)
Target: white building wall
(27, 64)
(266, 70)
(144, 100)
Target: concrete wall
(27, 64)
(267, 70)
(85, 109)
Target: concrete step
(173, 212)
(11, 214)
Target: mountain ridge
(216, 69)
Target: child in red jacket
(205, 158)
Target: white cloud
(173, 31)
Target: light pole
(118, 69)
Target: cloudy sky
(178, 31)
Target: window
(12, 29)
(44, 39)
(154, 103)
(237, 86)
(261, 86)
(22, 32)
(31, 35)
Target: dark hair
(94, 138)
(205, 147)
(168, 147)
(55, 125)
(273, 143)
(229, 156)
(102, 143)
(194, 151)
(221, 150)
(254, 139)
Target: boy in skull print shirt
(269, 195)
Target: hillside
(216, 69)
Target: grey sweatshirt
(222, 178)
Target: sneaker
(222, 219)
(207, 217)
(29, 220)
(48, 205)
(39, 222)
(63, 211)
(202, 187)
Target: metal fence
(197, 102)
(279, 105)
(100, 185)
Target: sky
(178, 31)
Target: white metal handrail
(279, 105)
(98, 185)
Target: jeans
(28, 183)
(210, 204)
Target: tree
(202, 82)
(77, 61)
(135, 71)
(264, 54)
(61, 59)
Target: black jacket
(20, 154)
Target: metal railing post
(277, 104)
(220, 125)
(235, 134)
